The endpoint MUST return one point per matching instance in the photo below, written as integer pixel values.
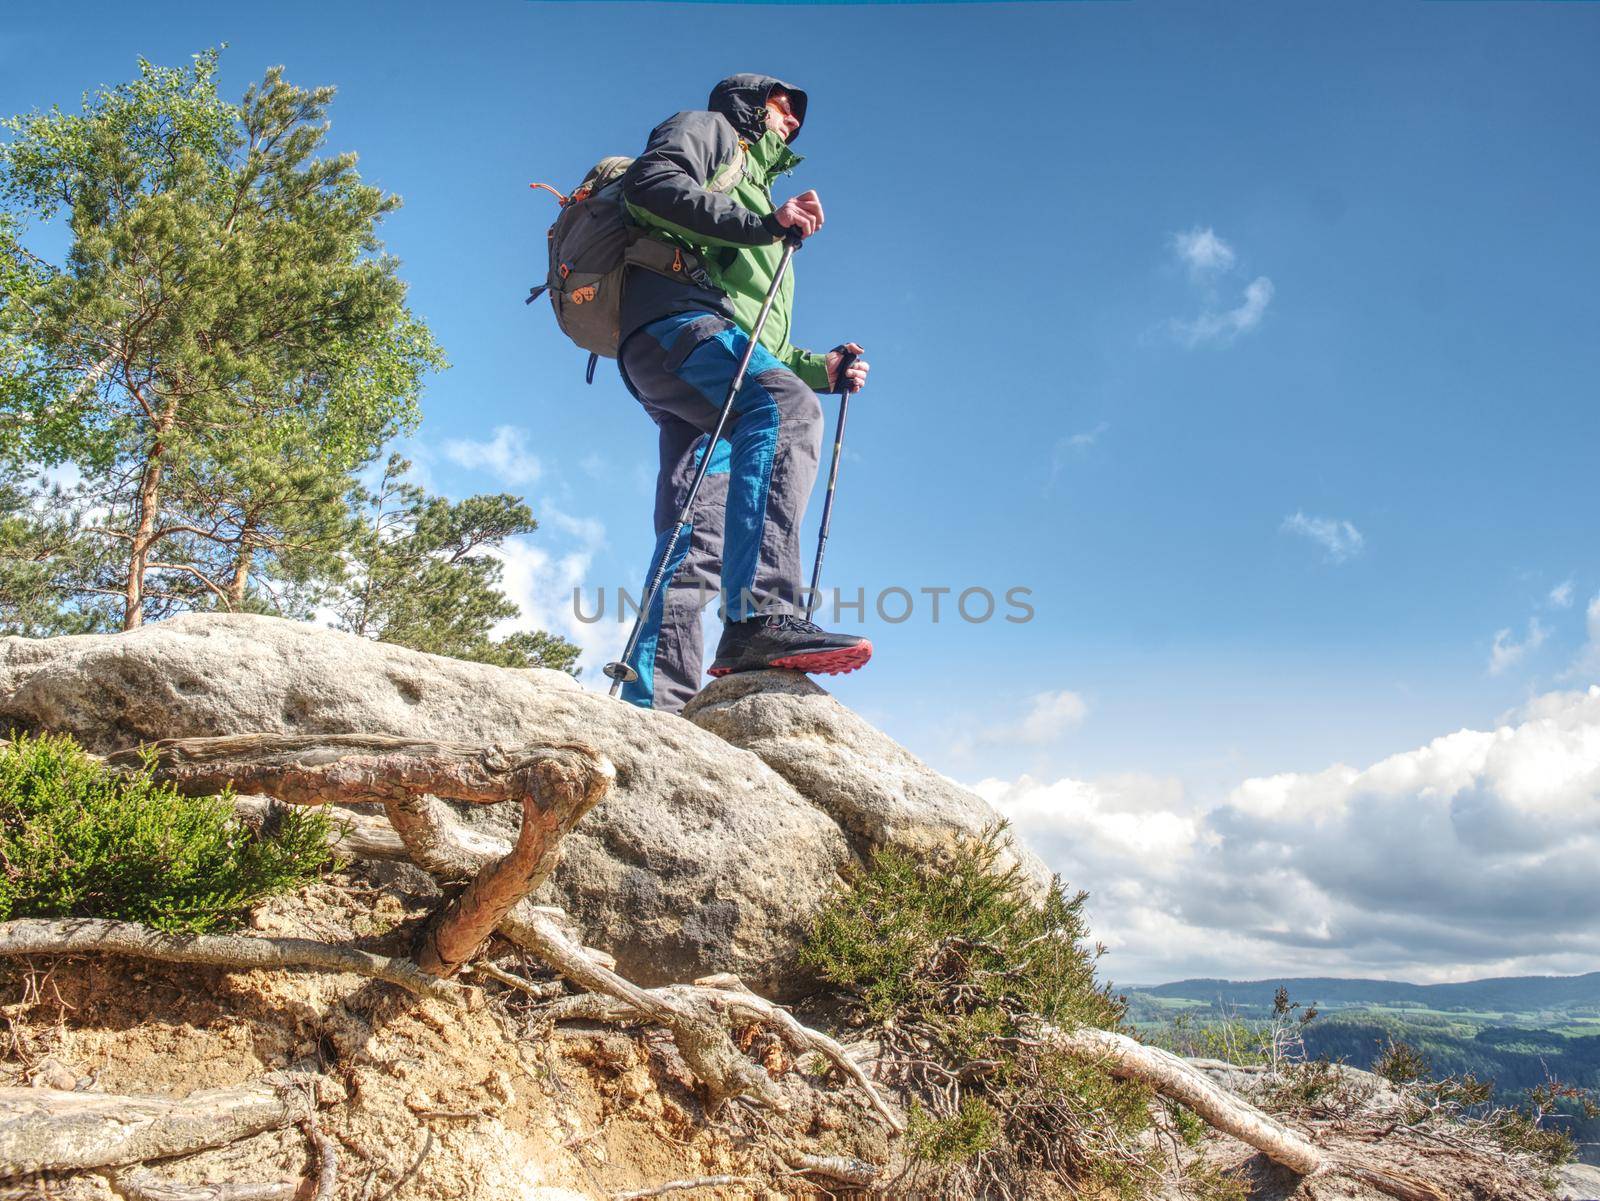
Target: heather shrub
(79, 839)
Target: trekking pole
(620, 670)
(843, 389)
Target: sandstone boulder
(878, 792)
(1578, 1182)
(722, 835)
(702, 858)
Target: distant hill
(1503, 994)
(1517, 1031)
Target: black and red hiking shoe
(788, 641)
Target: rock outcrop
(877, 791)
(1578, 1182)
(721, 837)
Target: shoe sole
(825, 663)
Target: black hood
(743, 100)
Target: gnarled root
(322, 769)
(566, 784)
(555, 784)
(1170, 1076)
(47, 1130)
(440, 844)
(713, 1002)
(856, 1172)
(84, 935)
(726, 993)
(146, 1186)
(700, 1037)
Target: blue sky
(1257, 341)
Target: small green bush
(881, 935)
(1401, 1063)
(956, 966)
(965, 1134)
(1530, 1128)
(78, 839)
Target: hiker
(703, 185)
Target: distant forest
(1516, 1031)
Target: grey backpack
(593, 243)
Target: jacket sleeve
(812, 368)
(665, 186)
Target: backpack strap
(667, 259)
(727, 176)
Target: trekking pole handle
(847, 360)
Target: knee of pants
(799, 410)
(812, 419)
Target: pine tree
(43, 553)
(221, 345)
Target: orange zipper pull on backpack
(565, 200)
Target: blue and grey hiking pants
(743, 544)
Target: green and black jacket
(731, 230)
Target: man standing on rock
(703, 184)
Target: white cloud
(1338, 538)
(541, 582)
(1587, 664)
(1070, 447)
(506, 455)
(1560, 596)
(1085, 439)
(589, 531)
(1507, 653)
(1208, 258)
(1202, 251)
(1257, 295)
(1469, 856)
(1050, 715)
(1224, 326)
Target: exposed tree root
(700, 1037)
(736, 1003)
(555, 784)
(1170, 1076)
(145, 1186)
(856, 1172)
(567, 785)
(539, 990)
(726, 991)
(84, 935)
(326, 1157)
(438, 844)
(321, 769)
(679, 1186)
(46, 1130)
